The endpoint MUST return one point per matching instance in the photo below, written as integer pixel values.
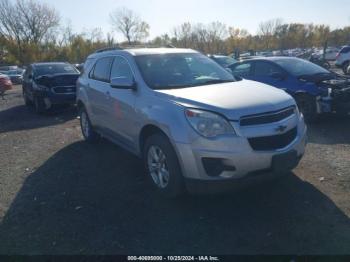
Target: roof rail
(111, 48)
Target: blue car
(315, 89)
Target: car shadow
(21, 117)
(330, 129)
(95, 199)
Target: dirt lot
(59, 195)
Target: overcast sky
(163, 15)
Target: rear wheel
(86, 128)
(162, 166)
(307, 106)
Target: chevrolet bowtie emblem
(281, 129)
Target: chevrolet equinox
(188, 118)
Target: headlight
(208, 124)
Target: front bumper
(50, 98)
(341, 100)
(236, 153)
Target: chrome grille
(276, 142)
(267, 118)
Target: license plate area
(285, 162)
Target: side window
(121, 68)
(265, 69)
(345, 50)
(102, 69)
(242, 70)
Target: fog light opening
(214, 167)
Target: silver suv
(187, 117)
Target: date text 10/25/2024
(173, 258)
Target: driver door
(270, 74)
(121, 116)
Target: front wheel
(162, 166)
(307, 105)
(39, 105)
(27, 101)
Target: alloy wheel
(157, 166)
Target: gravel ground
(59, 195)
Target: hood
(233, 100)
(57, 80)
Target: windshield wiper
(209, 82)
(216, 81)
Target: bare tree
(268, 29)
(183, 35)
(129, 24)
(208, 38)
(26, 22)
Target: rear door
(266, 72)
(97, 88)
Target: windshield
(225, 61)
(52, 69)
(167, 71)
(300, 67)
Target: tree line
(32, 31)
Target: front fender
(170, 119)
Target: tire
(167, 177)
(39, 105)
(86, 128)
(27, 101)
(307, 106)
(345, 67)
(326, 65)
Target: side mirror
(123, 83)
(278, 76)
(238, 78)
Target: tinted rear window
(265, 69)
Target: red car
(5, 84)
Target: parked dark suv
(48, 84)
